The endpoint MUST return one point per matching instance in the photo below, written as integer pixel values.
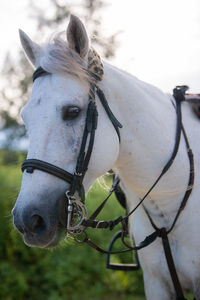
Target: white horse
(55, 118)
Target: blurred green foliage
(9, 157)
(71, 271)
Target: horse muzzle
(41, 226)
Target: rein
(77, 220)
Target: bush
(70, 271)
(8, 157)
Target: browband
(95, 67)
(39, 72)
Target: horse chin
(50, 241)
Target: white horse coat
(147, 140)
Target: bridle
(76, 211)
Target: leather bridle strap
(38, 73)
(30, 164)
(171, 265)
(84, 156)
(109, 112)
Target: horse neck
(147, 141)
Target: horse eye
(70, 112)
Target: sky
(159, 39)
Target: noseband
(76, 179)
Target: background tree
(17, 74)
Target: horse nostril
(37, 224)
(33, 222)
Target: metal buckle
(77, 212)
(98, 224)
(69, 197)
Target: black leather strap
(171, 265)
(85, 150)
(146, 242)
(109, 112)
(31, 164)
(39, 72)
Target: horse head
(55, 118)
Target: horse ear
(77, 36)
(31, 49)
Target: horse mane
(61, 59)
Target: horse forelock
(59, 58)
